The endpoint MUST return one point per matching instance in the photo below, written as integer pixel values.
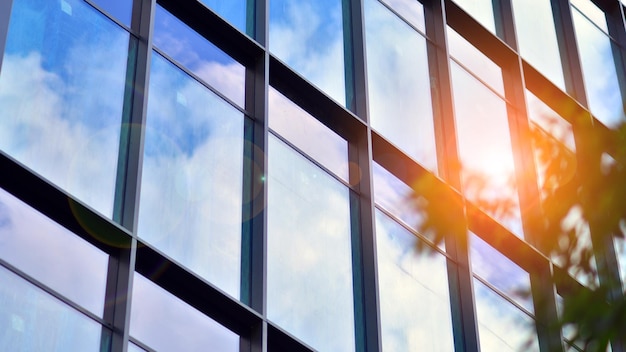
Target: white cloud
(414, 296)
(191, 192)
(66, 128)
(309, 272)
(301, 40)
(399, 84)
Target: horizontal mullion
(62, 207)
(215, 29)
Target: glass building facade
(251, 175)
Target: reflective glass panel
(501, 325)
(598, 64)
(200, 56)
(399, 84)
(61, 95)
(191, 190)
(485, 150)
(536, 37)
(308, 134)
(501, 272)
(592, 12)
(414, 298)
(31, 320)
(119, 9)
(309, 261)
(308, 36)
(233, 11)
(553, 145)
(477, 62)
(165, 323)
(395, 197)
(134, 348)
(411, 11)
(481, 10)
(51, 254)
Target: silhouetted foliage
(583, 201)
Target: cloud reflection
(308, 36)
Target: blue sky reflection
(61, 94)
(191, 190)
(199, 55)
(308, 36)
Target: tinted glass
(395, 197)
(61, 95)
(233, 11)
(308, 36)
(553, 145)
(191, 191)
(481, 10)
(119, 9)
(33, 321)
(598, 64)
(399, 84)
(414, 299)
(411, 11)
(200, 56)
(308, 134)
(165, 323)
(485, 149)
(475, 61)
(536, 37)
(51, 254)
(309, 262)
(501, 272)
(501, 326)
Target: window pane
(51, 254)
(501, 272)
(486, 154)
(414, 298)
(598, 64)
(191, 191)
(61, 96)
(399, 84)
(395, 197)
(592, 12)
(309, 269)
(119, 9)
(32, 320)
(501, 326)
(308, 36)
(233, 11)
(553, 145)
(411, 11)
(165, 323)
(308, 134)
(200, 56)
(481, 10)
(536, 36)
(475, 61)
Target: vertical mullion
(367, 307)
(568, 48)
(255, 202)
(121, 270)
(464, 324)
(5, 17)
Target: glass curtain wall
(325, 120)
